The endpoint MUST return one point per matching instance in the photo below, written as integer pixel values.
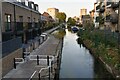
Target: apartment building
(86, 20)
(82, 12)
(53, 12)
(20, 25)
(107, 14)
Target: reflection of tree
(79, 41)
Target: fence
(10, 46)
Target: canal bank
(108, 68)
(77, 61)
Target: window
(32, 5)
(19, 0)
(20, 18)
(28, 19)
(7, 22)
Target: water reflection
(77, 62)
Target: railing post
(37, 60)
(14, 63)
(51, 66)
(48, 60)
(49, 73)
(39, 76)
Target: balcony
(102, 9)
(115, 5)
(108, 18)
(98, 7)
(36, 26)
(108, 3)
(114, 20)
(29, 27)
(7, 35)
(19, 27)
(10, 46)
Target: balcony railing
(29, 25)
(108, 3)
(114, 20)
(98, 7)
(108, 18)
(115, 5)
(10, 46)
(19, 26)
(7, 35)
(102, 9)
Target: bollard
(37, 60)
(14, 63)
(49, 73)
(51, 66)
(48, 60)
(39, 76)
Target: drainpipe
(14, 21)
(1, 24)
(32, 25)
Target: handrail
(21, 61)
(32, 75)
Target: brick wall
(7, 62)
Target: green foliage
(61, 16)
(60, 33)
(71, 21)
(107, 50)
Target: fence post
(39, 76)
(37, 60)
(48, 60)
(14, 63)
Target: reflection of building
(53, 12)
(20, 24)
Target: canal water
(77, 62)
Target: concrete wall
(7, 62)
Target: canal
(77, 62)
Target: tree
(61, 16)
(71, 21)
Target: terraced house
(20, 28)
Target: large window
(7, 22)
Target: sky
(70, 7)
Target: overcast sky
(70, 7)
